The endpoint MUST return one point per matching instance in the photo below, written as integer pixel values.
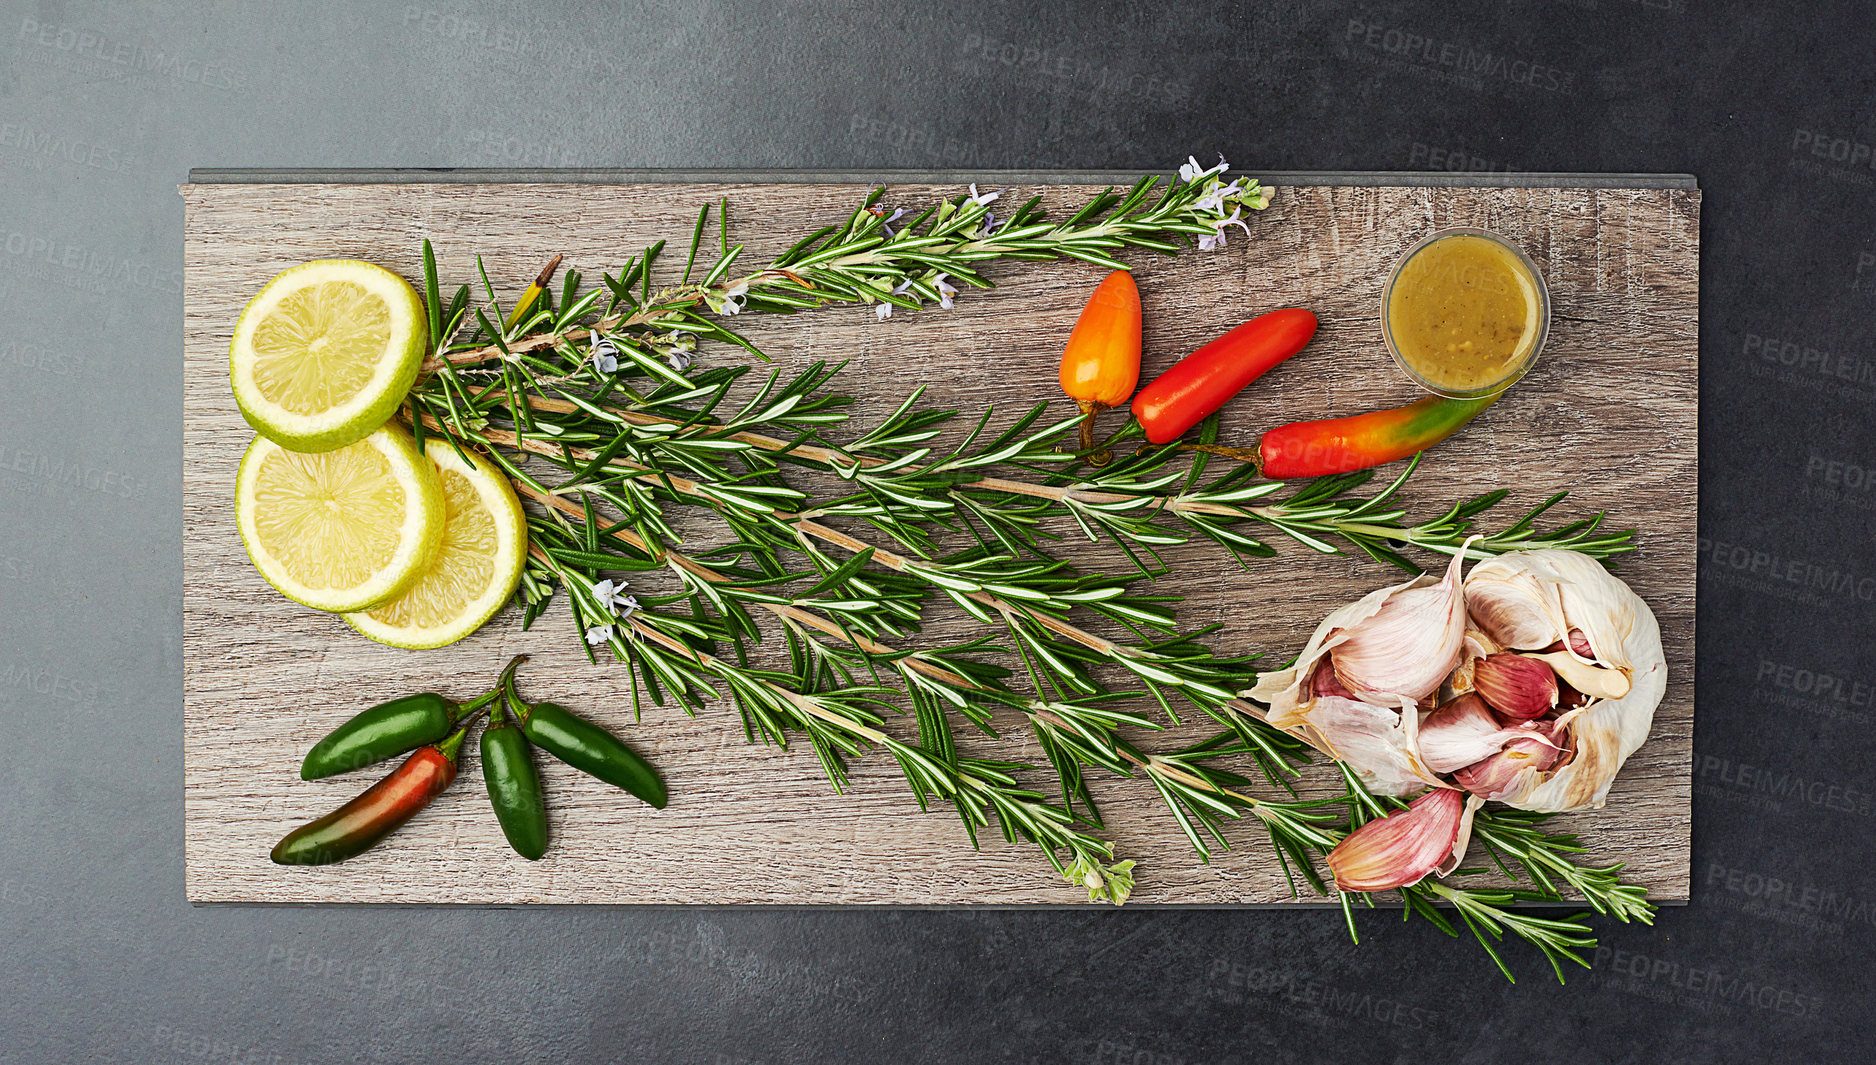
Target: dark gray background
(106, 106)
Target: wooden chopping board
(1609, 412)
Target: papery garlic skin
(1389, 650)
(1530, 600)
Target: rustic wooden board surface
(1609, 412)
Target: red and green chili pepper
(359, 825)
(1341, 445)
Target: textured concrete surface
(106, 106)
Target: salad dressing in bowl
(1465, 313)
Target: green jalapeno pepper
(514, 786)
(390, 729)
(586, 747)
(360, 824)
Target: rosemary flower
(610, 595)
(605, 356)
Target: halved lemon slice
(485, 543)
(325, 352)
(340, 530)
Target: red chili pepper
(1340, 445)
(360, 824)
(1201, 382)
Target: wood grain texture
(1609, 412)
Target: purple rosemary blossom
(887, 221)
(681, 360)
(605, 356)
(976, 198)
(1215, 200)
(946, 292)
(1217, 240)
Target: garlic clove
(1405, 650)
(1511, 768)
(1403, 847)
(1514, 605)
(1520, 687)
(1290, 692)
(1592, 680)
(1463, 732)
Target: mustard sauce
(1464, 312)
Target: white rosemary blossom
(884, 310)
(605, 356)
(729, 300)
(598, 634)
(611, 597)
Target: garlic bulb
(1532, 601)
(1551, 669)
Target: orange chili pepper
(1101, 364)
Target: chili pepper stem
(1106, 447)
(1242, 454)
(452, 747)
(479, 702)
(1089, 411)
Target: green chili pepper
(514, 786)
(360, 824)
(390, 729)
(586, 747)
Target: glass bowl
(1513, 370)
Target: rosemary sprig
(606, 397)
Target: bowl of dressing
(1465, 313)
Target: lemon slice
(325, 352)
(340, 530)
(474, 573)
